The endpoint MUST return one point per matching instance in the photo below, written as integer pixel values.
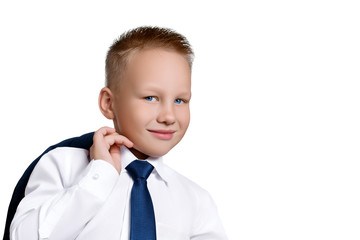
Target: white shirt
(68, 197)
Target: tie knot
(139, 169)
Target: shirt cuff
(99, 178)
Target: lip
(162, 134)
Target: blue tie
(142, 210)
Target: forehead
(156, 68)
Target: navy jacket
(85, 141)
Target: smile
(162, 134)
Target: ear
(106, 103)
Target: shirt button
(96, 176)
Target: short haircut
(139, 39)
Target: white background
(275, 129)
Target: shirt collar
(127, 157)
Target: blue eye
(179, 101)
(150, 99)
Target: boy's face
(151, 103)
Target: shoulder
(69, 153)
(186, 186)
(65, 157)
(196, 198)
(61, 164)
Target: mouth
(162, 134)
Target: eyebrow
(186, 94)
(150, 87)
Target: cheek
(143, 113)
(126, 119)
(184, 118)
(136, 119)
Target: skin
(149, 108)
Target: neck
(138, 154)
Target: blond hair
(139, 39)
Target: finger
(115, 155)
(119, 140)
(114, 148)
(104, 131)
(126, 142)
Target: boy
(71, 195)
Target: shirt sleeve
(207, 224)
(64, 192)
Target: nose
(166, 114)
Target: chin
(143, 153)
(153, 147)
(156, 152)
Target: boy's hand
(106, 146)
